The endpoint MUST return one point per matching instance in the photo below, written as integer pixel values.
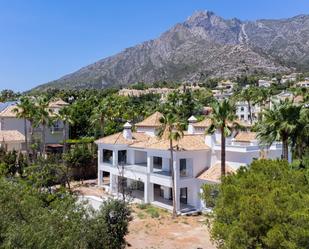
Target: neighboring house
(12, 140)
(140, 161)
(302, 84)
(289, 78)
(286, 95)
(227, 85)
(264, 83)
(54, 133)
(4, 105)
(224, 90)
(242, 111)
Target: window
(184, 195)
(122, 157)
(183, 167)
(242, 117)
(242, 109)
(157, 162)
(107, 156)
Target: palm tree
(43, 119)
(64, 115)
(282, 122)
(222, 118)
(100, 113)
(24, 110)
(172, 130)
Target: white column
(112, 183)
(176, 184)
(149, 164)
(99, 156)
(115, 157)
(100, 177)
(146, 192)
(150, 193)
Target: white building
(224, 90)
(302, 84)
(264, 83)
(242, 111)
(54, 133)
(141, 162)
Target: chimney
(191, 121)
(127, 132)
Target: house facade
(242, 111)
(53, 134)
(141, 162)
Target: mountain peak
(205, 45)
(200, 15)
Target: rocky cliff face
(202, 46)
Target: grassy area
(147, 210)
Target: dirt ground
(160, 232)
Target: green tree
(102, 112)
(43, 119)
(282, 122)
(80, 157)
(263, 206)
(30, 220)
(24, 110)
(172, 130)
(64, 115)
(222, 119)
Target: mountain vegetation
(203, 46)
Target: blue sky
(43, 40)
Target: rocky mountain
(205, 45)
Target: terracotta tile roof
(245, 136)
(8, 112)
(243, 123)
(142, 140)
(298, 99)
(57, 103)
(118, 138)
(152, 121)
(213, 174)
(188, 142)
(11, 136)
(203, 124)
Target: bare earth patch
(153, 228)
(185, 232)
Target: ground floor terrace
(144, 191)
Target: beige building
(12, 140)
(53, 134)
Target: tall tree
(64, 115)
(43, 119)
(280, 123)
(100, 113)
(222, 119)
(172, 130)
(24, 110)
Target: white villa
(10, 124)
(242, 111)
(141, 160)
